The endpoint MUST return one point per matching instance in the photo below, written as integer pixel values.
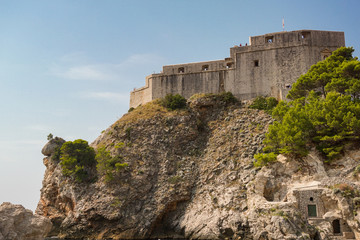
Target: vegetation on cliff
(108, 165)
(162, 173)
(324, 111)
(77, 159)
(173, 102)
(264, 103)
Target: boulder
(51, 146)
(18, 223)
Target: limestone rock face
(18, 223)
(51, 146)
(190, 174)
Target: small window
(181, 70)
(256, 63)
(269, 39)
(229, 65)
(205, 67)
(305, 35)
(311, 199)
(288, 86)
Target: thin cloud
(107, 96)
(89, 72)
(140, 59)
(38, 127)
(16, 143)
(68, 68)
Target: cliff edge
(190, 175)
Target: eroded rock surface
(18, 223)
(190, 174)
(52, 145)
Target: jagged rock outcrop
(51, 146)
(190, 174)
(18, 223)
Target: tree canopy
(77, 159)
(324, 110)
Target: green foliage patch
(263, 159)
(108, 165)
(173, 102)
(77, 159)
(264, 103)
(227, 97)
(324, 111)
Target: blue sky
(67, 66)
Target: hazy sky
(67, 66)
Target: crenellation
(268, 66)
(195, 67)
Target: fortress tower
(268, 66)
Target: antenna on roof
(283, 24)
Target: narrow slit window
(256, 63)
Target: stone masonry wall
(268, 67)
(310, 197)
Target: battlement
(299, 37)
(199, 67)
(268, 66)
(292, 39)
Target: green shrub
(227, 97)
(77, 159)
(50, 136)
(346, 190)
(264, 103)
(131, 109)
(356, 171)
(119, 145)
(263, 159)
(173, 102)
(128, 133)
(108, 165)
(56, 155)
(174, 179)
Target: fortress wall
(275, 71)
(253, 71)
(142, 95)
(326, 38)
(280, 62)
(190, 84)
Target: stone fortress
(268, 66)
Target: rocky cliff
(190, 174)
(18, 223)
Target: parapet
(198, 67)
(292, 39)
